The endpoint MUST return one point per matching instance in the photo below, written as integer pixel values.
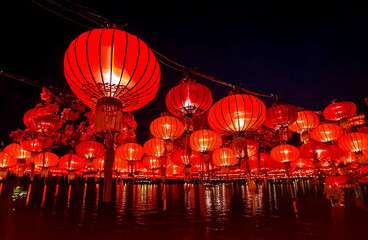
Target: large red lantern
(285, 153)
(16, 151)
(306, 121)
(36, 145)
(262, 162)
(154, 147)
(237, 113)
(90, 150)
(280, 116)
(224, 157)
(130, 151)
(314, 151)
(41, 120)
(72, 162)
(6, 162)
(355, 142)
(326, 132)
(46, 160)
(337, 111)
(111, 71)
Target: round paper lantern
(285, 153)
(154, 147)
(72, 162)
(306, 120)
(336, 111)
(280, 116)
(185, 157)
(57, 171)
(188, 99)
(16, 151)
(130, 151)
(336, 180)
(301, 163)
(205, 140)
(7, 161)
(99, 163)
(314, 151)
(224, 157)
(151, 162)
(46, 160)
(111, 71)
(120, 165)
(167, 127)
(335, 152)
(40, 119)
(262, 162)
(243, 147)
(90, 150)
(326, 132)
(36, 145)
(174, 170)
(354, 142)
(237, 113)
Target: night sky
(307, 54)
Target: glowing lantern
(111, 71)
(174, 170)
(279, 117)
(6, 162)
(244, 148)
(285, 153)
(237, 113)
(205, 141)
(355, 142)
(184, 158)
(40, 119)
(188, 99)
(36, 145)
(306, 121)
(335, 152)
(337, 111)
(314, 151)
(90, 150)
(326, 132)
(151, 162)
(154, 147)
(262, 162)
(224, 157)
(130, 151)
(72, 162)
(99, 163)
(44, 161)
(16, 151)
(336, 180)
(120, 165)
(301, 163)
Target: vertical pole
(109, 161)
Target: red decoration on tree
(111, 71)
(237, 113)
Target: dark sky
(308, 54)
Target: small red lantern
(285, 153)
(315, 151)
(237, 113)
(46, 160)
(184, 158)
(6, 162)
(16, 151)
(36, 145)
(301, 163)
(355, 142)
(224, 157)
(120, 165)
(154, 147)
(167, 127)
(151, 162)
(111, 71)
(326, 132)
(306, 121)
(262, 162)
(130, 151)
(205, 141)
(174, 170)
(90, 150)
(336, 180)
(280, 116)
(40, 119)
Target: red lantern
(326, 132)
(285, 153)
(46, 160)
(167, 127)
(36, 145)
(6, 162)
(224, 157)
(184, 158)
(154, 147)
(335, 152)
(337, 111)
(315, 151)
(130, 151)
(205, 140)
(99, 163)
(336, 180)
(152, 163)
(120, 165)
(280, 116)
(174, 170)
(40, 119)
(112, 71)
(301, 163)
(72, 162)
(90, 150)
(16, 151)
(243, 147)
(355, 142)
(306, 121)
(237, 113)
(189, 98)
(262, 162)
